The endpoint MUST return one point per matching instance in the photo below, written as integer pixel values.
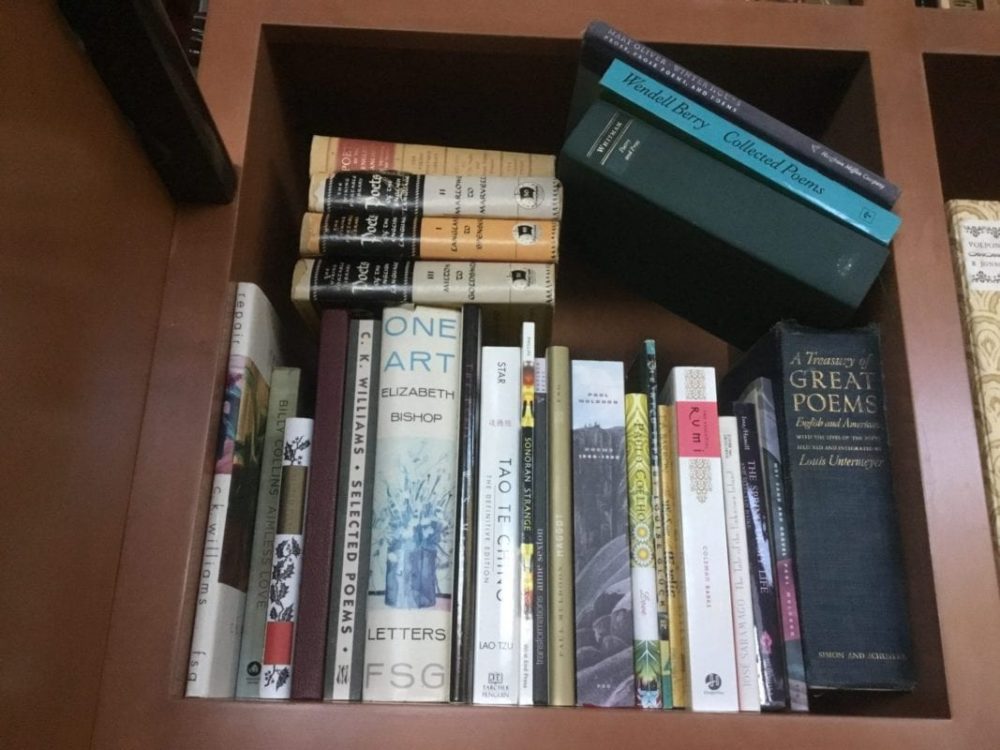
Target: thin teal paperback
(627, 86)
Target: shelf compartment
(460, 89)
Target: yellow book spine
(671, 536)
(440, 238)
(562, 623)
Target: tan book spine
(975, 241)
(333, 154)
(437, 238)
(562, 624)
(675, 594)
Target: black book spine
(389, 193)
(540, 675)
(602, 44)
(462, 607)
(369, 234)
(764, 593)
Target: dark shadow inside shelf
(964, 93)
(514, 94)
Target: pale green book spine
(283, 403)
(645, 621)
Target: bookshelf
(907, 91)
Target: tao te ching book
(497, 620)
(408, 629)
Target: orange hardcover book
(372, 236)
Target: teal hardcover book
(702, 238)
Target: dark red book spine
(308, 658)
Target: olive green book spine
(676, 618)
(561, 623)
(283, 402)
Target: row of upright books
(483, 525)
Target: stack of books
(730, 218)
(392, 223)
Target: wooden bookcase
(911, 92)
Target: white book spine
(739, 568)
(704, 547)
(221, 597)
(497, 610)
(408, 630)
(478, 195)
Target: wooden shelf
(903, 90)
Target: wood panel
(85, 230)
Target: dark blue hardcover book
(603, 43)
(831, 424)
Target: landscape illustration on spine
(605, 675)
